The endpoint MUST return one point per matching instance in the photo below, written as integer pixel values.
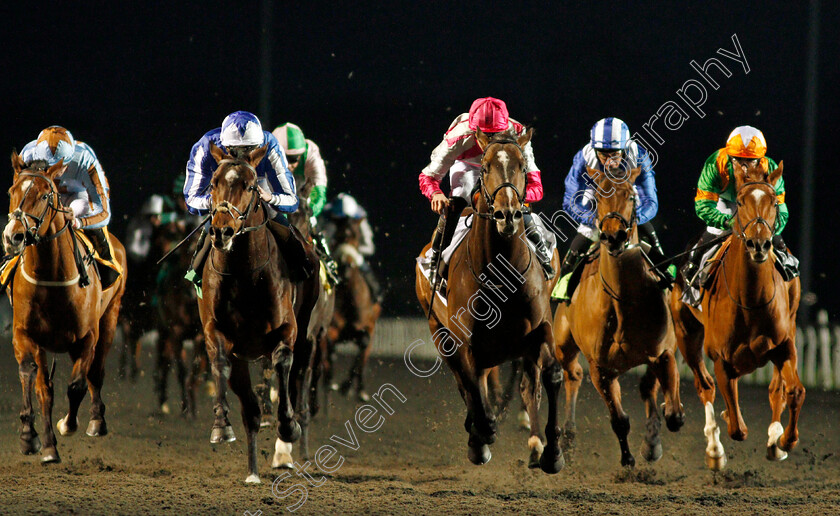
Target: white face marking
(231, 176)
(503, 158)
(757, 195)
(25, 184)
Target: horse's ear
(776, 174)
(56, 170)
(740, 173)
(596, 175)
(257, 155)
(17, 162)
(525, 138)
(482, 139)
(634, 174)
(217, 153)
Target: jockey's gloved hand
(265, 195)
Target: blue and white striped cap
(241, 128)
(610, 133)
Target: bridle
(32, 232)
(741, 230)
(490, 198)
(226, 207)
(628, 227)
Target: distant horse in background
(247, 302)
(619, 318)
(473, 346)
(747, 319)
(356, 309)
(52, 313)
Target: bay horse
(314, 305)
(52, 313)
(247, 302)
(619, 318)
(356, 309)
(747, 318)
(497, 308)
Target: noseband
(32, 235)
(226, 207)
(490, 198)
(628, 224)
(742, 229)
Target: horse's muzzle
(13, 241)
(221, 236)
(507, 220)
(616, 243)
(759, 249)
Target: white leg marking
(714, 448)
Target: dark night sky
(376, 87)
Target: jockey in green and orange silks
(715, 202)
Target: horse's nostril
(17, 238)
(498, 215)
(750, 244)
(517, 215)
(621, 236)
(227, 232)
(766, 245)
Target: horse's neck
(249, 250)
(750, 283)
(626, 274)
(486, 245)
(54, 258)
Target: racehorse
(619, 318)
(247, 301)
(314, 305)
(356, 310)
(52, 313)
(484, 323)
(747, 318)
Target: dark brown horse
(52, 313)
(247, 302)
(619, 318)
(497, 308)
(356, 310)
(314, 305)
(747, 319)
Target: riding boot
(293, 248)
(437, 247)
(787, 264)
(202, 249)
(100, 242)
(656, 255)
(692, 265)
(535, 236)
(372, 282)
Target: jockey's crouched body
(459, 155)
(82, 185)
(715, 201)
(240, 133)
(610, 150)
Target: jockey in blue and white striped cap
(610, 147)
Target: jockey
(241, 133)
(310, 173)
(460, 156)
(83, 186)
(715, 200)
(345, 206)
(610, 148)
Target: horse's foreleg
(281, 358)
(77, 388)
(477, 451)
(531, 392)
(365, 348)
(183, 377)
(728, 384)
(552, 459)
(665, 369)
(777, 405)
(96, 372)
(263, 389)
(162, 365)
(608, 388)
(240, 384)
(649, 388)
(44, 388)
(27, 370)
(795, 397)
(485, 414)
(221, 368)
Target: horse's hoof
(253, 478)
(290, 434)
(552, 462)
(281, 461)
(675, 421)
(716, 463)
(30, 443)
(50, 456)
(222, 435)
(364, 397)
(480, 455)
(274, 394)
(651, 452)
(628, 461)
(787, 445)
(210, 389)
(97, 428)
(66, 429)
(775, 453)
(164, 409)
(523, 421)
(334, 387)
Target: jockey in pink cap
(459, 155)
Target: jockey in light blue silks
(241, 133)
(609, 148)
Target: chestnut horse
(52, 313)
(497, 308)
(314, 305)
(619, 318)
(747, 318)
(247, 302)
(356, 310)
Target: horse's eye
(45, 197)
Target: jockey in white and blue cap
(610, 148)
(241, 132)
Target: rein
(489, 198)
(33, 236)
